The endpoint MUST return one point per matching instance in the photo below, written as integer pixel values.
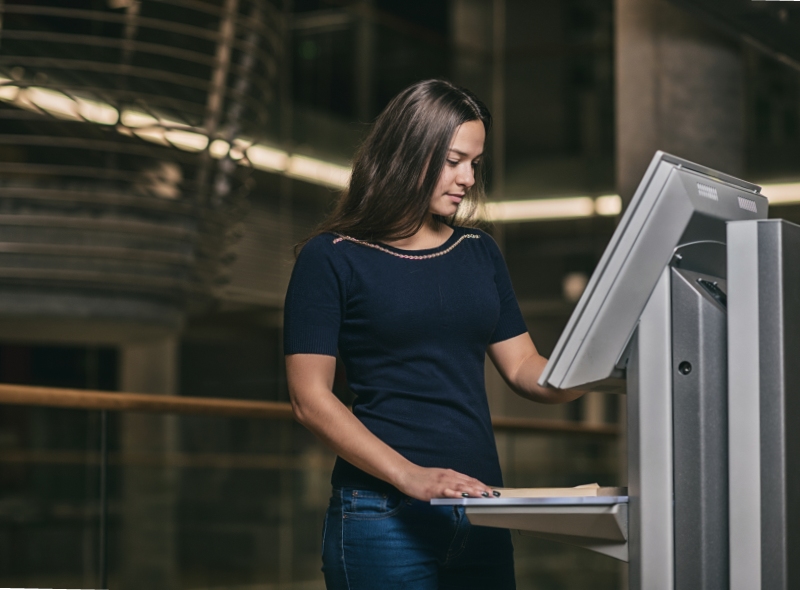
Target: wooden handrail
(501, 423)
(24, 395)
(83, 399)
(253, 461)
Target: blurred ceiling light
(173, 133)
(62, 106)
(186, 140)
(162, 131)
(117, 4)
(318, 172)
(782, 194)
(242, 143)
(219, 148)
(153, 134)
(97, 112)
(239, 148)
(608, 205)
(542, 209)
(266, 158)
(573, 286)
(54, 102)
(131, 118)
(531, 209)
(8, 90)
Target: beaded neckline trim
(406, 256)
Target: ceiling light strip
(785, 193)
(604, 205)
(550, 209)
(167, 132)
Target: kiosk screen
(676, 204)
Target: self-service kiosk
(655, 322)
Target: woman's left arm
(521, 365)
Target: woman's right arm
(315, 406)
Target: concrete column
(364, 61)
(149, 492)
(679, 88)
(471, 23)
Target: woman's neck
(431, 234)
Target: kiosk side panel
(700, 418)
(744, 431)
(764, 404)
(650, 460)
(790, 252)
(779, 335)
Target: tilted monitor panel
(677, 203)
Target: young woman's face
(458, 174)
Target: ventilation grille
(747, 205)
(708, 192)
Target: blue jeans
(386, 541)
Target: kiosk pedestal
(677, 432)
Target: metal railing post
(103, 536)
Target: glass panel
(560, 460)
(49, 497)
(234, 503)
(49, 476)
(559, 103)
(209, 502)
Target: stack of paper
(591, 489)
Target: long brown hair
(397, 167)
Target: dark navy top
(412, 334)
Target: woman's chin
(445, 211)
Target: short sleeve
(312, 313)
(510, 323)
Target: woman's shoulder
(319, 245)
(320, 249)
(466, 229)
(319, 260)
(485, 238)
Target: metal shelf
(598, 523)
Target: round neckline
(445, 244)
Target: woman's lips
(455, 198)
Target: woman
(412, 299)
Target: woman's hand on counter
(425, 483)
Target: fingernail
(496, 493)
(485, 494)
(465, 494)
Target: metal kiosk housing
(652, 323)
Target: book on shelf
(586, 490)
